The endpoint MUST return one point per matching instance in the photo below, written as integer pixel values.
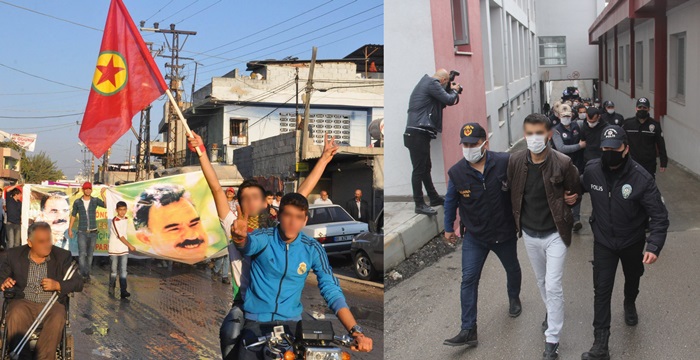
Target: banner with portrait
(171, 218)
(53, 204)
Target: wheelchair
(65, 347)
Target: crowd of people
(579, 146)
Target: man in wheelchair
(35, 271)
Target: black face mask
(612, 159)
(642, 114)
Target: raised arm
(217, 192)
(330, 147)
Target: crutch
(18, 349)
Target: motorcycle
(313, 340)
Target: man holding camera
(429, 97)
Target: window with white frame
(552, 50)
(460, 22)
(639, 63)
(677, 65)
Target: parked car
(367, 250)
(333, 227)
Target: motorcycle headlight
(316, 353)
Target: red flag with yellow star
(126, 80)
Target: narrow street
(426, 306)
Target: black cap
(609, 104)
(592, 111)
(472, 133)
(642, 101)
(613, 136)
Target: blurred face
(17, 197)
(230, 195)
(292, 220)
(593, 120)
(87, 192)
(324, 195)
(252, 200)
(40, 242)
(175, 230)
(358, 194)
(582, 110)
(279, 198)
(269, 199)
(535, 129)
(56, 212)
(121, 211)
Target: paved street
(176, 315)
(424, 310)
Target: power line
(275, 109)
(298, 36)
(51, 16)
(195, 14)
(39, 127)
(40, 117)
(42, 78)
(304, 42)
(159, 10)
(40, 93)
(272, 26)
(177, 12)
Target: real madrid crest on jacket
(623, 200)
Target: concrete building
(564, 55)
(492, 43)
(644, 47)
(235, 110)
(10, 166)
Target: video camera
(453, 74)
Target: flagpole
(182, 118)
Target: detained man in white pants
(544, 184)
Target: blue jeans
(222, 265)
(230, 331)
(474, 254)
(576, 212)
(86, 246)
(118, 261)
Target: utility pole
(175, 78)
(144, 135)
(307, 105)
(297, 119)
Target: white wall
(681, 127)
(408, 29)
(559, 18)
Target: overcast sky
(62, 43)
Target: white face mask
(596, 105)
(582, 116)
(592, 124)
(566, 121)
(611, 111)
(473, 155)
(536, 143)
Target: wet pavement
(424, 310)
(176, 314)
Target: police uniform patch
(652, 127)
(466, 193)
(626, 191)
(302, 268)
(468, 130)
(565, 135)
(610, 133)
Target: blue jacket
(483, 200)
(278, 274)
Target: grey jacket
(426, 103)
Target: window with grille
(337, 125)
(552, 50)
(239, 132)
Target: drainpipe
(506, 35)
(529, 61)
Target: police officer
(429, 97)
(478, 187)
(566, 138)
(554, 117)
(610, 116)
(646, 138)
(623, 195)
(591, 130)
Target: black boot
(516, 308)
(112, 285)
(424, 209)
(122, 288)
(599, 351)
(437, 201)
(631, 318)
(551, 351)
(465, 337)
